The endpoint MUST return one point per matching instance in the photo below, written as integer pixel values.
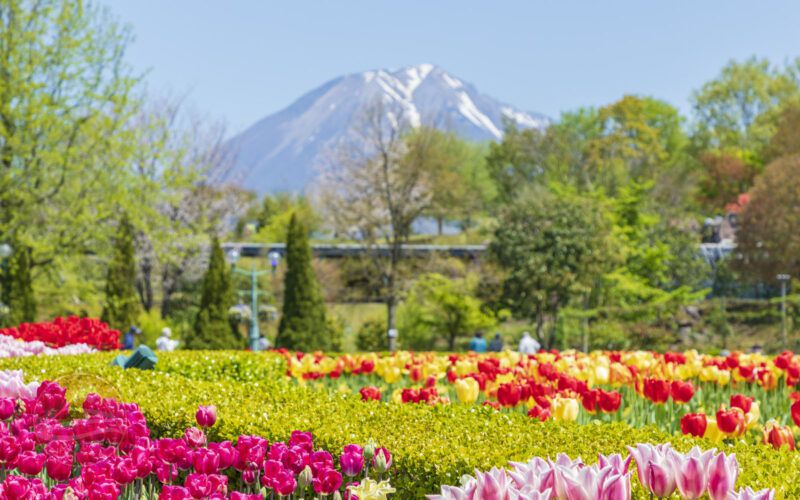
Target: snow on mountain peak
(281, 151)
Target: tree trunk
(540, 328)
(439, 225)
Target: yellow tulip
(712, 431)
(565, 409)
(467, 390)
(751, 418)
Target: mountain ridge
(284, 150)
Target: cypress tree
(212, 329)
(18, 287)
(303, 325)
(122, 303)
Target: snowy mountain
(283, 151)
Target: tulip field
(242, 425)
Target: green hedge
(431, 445)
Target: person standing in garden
(128, 338)
(496, 345)
(528, 344)
(478, 343)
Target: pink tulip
(722, 474)
(661, 478)
(198, 485)
(59, 468)
(235, 495)
(327, 481)
(206, 461)
(284, 483)
(653, 468)
(206, 416)
(491, 485)
(30, 462)
(227, 453)
(169, 492)
(749, 494)
(616, 487)
(691, 472)
(352, 463)
(194, 437)
(616, 461)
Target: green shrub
(431, 445)
(372, 336)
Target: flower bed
(431, 445)
(65, 331)
(108, 452)
(730, 395)
(12, 348)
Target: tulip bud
(369, 449)
(382, 460)
(778, 435)
(305, 477)
(206, 416)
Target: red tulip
(206, 416)
(589, 400)
(741, 401)
(694, 424)
(539, 412)
(778, 435)
(730, 421)
(795, 417)
(370, 392)
(609, 401)
(681, 392)
(656, 390)
(509, 394)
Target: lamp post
(254, 333)
(784, 279)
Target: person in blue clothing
(478, 343)
(128, 338)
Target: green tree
(769, 231)
(121, 301)
(440, 307)
(17, 287)
(303, 325)
(737, 110)
(641, 139)
(212, 330)
(553, 247)
(66, 105)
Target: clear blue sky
(241, 60)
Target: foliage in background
(437, 307)
(303, 323)
(769, 233)
(16, 284)
(121, 301)
(553, 249)
(212, 329)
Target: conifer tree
(303, 325)
(122, 303)
(212, 329)
(18, 287)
